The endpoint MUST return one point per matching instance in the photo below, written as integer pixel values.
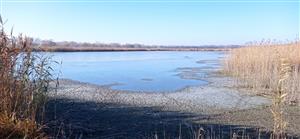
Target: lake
(150, 71)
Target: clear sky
(161, 22)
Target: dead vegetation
(272, 70)
(259, 67)
(25, 78)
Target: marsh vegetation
(29, 99)
(24, 83)
(271, 70)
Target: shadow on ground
(73, 119)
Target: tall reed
(272, 70)
(259, 67)
(24, 82)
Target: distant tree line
(50, 43)
(73, 44)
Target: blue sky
(161, 22)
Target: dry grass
(13, 127)
(272, 70)
(24, 83)
(259, 67)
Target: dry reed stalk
(272, 70)
(24, 81)
(278, 101)
(258, 67)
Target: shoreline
(217, 103)
(241, 99)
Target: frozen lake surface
(138, 71)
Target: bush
(24, 82)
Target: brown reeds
(24, 81)
(259, 67)
(271, 70)
(278, 97)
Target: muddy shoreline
(131, 114)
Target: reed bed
(259, 67)
(272, 70)
(24, 82)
